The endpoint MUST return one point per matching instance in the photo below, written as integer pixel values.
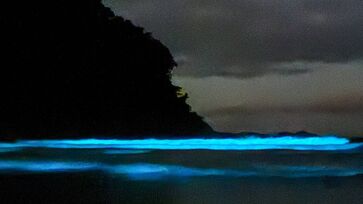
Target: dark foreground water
(214, 171)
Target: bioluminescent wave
(149, 171)
(46, 166)
(146, 171)
(245, 143)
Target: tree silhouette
(73, 68)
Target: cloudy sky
(263, 65)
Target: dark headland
(74, 69)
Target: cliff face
(73, 68)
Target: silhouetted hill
(73, 68)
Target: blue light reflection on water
(126, 151)
(148, 171)
(9, 149)
(246, 143)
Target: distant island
(74, 69)
(278, 134)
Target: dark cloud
(251, 38)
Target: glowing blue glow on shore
(246, 143)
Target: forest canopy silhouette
(73, 69)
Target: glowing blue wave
(246, 143)
(46, 166)
(147, 171)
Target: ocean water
(239, 170)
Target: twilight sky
(263, 65)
